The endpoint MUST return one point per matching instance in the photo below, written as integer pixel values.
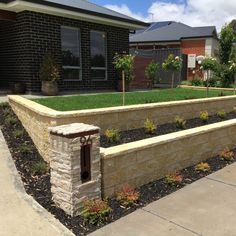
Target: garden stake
(123, 86)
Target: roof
(83, 6)
(171, 31)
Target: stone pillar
(75, 165)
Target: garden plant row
(35, 174)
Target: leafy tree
(151, 70)
(172, 64)
(225, 44)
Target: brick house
(82, 36)
(170, 35)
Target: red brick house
(190, 41)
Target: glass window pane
(98, 49)
(98, 74)
(71, 74)
(70, 40)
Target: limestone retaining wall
(141, 162)
(37, 118)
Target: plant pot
(49, 88)
(18, 88)
(120, 87)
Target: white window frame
(106, 63)
(74, 67)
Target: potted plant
(172, 64)
(49, 75)
(124, 63)
(151, 73)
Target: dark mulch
(38, 186)
(139, 134)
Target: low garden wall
(37, 118)
(141, 162)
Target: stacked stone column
(72, 147)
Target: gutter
(138, 24)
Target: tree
(151, 71)
(226, 44)
(173, 64)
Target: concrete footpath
(20, 215)
(206, 207)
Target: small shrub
(202, 167)
(18, 133)
(204, 116)
(112, 135)
(4, 105)
(186, 82)
(10, 120)
(39, 168)
(25, 149)
(174, 179)
(234, 109)
(197, 81)
(127, 196)
(149, 126)
(180, 122)
(221, 114)
(95, 211)
(226, 154)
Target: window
(98, 55)
(71, 60)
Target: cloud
(191, 12)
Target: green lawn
(80, 102)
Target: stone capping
(204, 88)
(48, 112)
(151, 142)
(74, 130)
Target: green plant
(10, 120)
(7, 111)
(4, 105)
(202, 167)
(112, 135)
(204, 116)
(49, 69)
(151, 70)
(39, 168)
(180, 122)
(95, 211)
(25, 149)
(186, 82)
(221, 114)
(149, 126)
(209, 63)
(174, 179)
(128, 196)
(197, 81)
(18, 133)
(226, 154)
(172, 64)
(125, 62)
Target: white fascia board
(19, 5)
(156, 44)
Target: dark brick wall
(34, 34)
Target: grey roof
(86, 7)
(172, 32)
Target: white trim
(154, 44)
(20, 5)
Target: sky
(191, 12)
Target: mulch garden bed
(38, 185)
(139, 134)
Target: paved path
(20, 215)
(206, 207)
